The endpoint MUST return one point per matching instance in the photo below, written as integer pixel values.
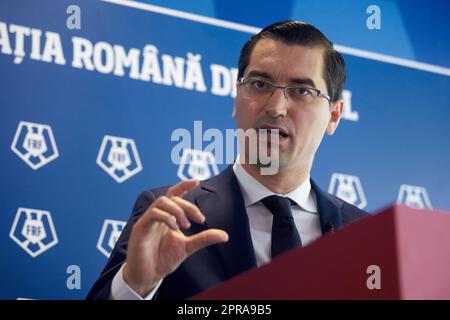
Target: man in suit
(187, 238)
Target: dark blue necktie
(284, 232)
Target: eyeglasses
(262, 90)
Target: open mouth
(282, 132)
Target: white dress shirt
(260, 220)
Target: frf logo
(414, 196)
(197, 164)
(119, 158)
(111, 231)
(34, 143)
(33, 230)
(348, 188)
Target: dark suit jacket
(220, 200)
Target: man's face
(305, 125)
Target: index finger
(181, 188)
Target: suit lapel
(329, 210)
(222, 204)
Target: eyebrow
(267, 75)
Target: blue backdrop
(88, 116)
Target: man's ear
(336, 109)
(233, 115)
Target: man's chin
(270, 158)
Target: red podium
(399, 253)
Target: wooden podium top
(399, 253)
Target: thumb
(205, 238)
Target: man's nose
(276, 104)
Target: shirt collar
(254, 191)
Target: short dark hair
(301, 33)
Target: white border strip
(393, 60)
(249, 29)
(185, 15)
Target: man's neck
(283, 182)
